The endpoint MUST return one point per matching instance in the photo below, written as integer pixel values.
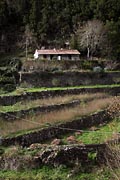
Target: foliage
(60, 173)
(92, 36)
(52, 22)
(114, 38)
(97, 69)
(9, 76)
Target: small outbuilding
(57, 54)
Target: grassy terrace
(34, 122)
(96, 135)
(20, 91)
(23, 105)
(62, 173)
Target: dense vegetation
(60, 173)
(9, 76)
(51, 23)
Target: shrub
(87, 64)
(97, 69)
(9, 87)
(1, 151)
(55, 82)
(55, 69)
(5, 79)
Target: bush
(56, 82)
(9, 87)
(97, 69)
(55, 69)
(9, 76)
(7, 80)
(87, 64)
(1, 151)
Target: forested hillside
(52, 23)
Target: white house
(58, 54)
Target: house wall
(75, 57)
(48, 57)
(57, 57)
(65, 57)
(70, 57)
(41, 57)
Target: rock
(93, 128)
(72, 140)
(56, 142)
(78, 133)
(35, 146)
(81, 143)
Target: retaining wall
(55, 156)
(54, 131)
(58, 155)
(70, 155)
(62, 79)
(23, 113)
(10, 100)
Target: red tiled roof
(58, 51)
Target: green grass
(20, 91)
(59, 173)
(75, 87)
(17, 107)
(101, 135)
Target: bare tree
(92, 36)
(29, 40)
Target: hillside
(52, 23)
(60, 117)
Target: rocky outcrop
(55, 155)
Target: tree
(92, 37)
(73, 42)
(29, 39)
(114, 38)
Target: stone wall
(13, 115)
(72, 154)
(55, 156)
(46, 65)
(82, 64)
(40, 136)
(10, 100)
(48, 79)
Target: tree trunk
(88, 52)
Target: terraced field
(53, 127)
(87, 104)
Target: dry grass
(51, 101)
(112, 157)
(68, 98)
(38, 120)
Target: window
(70, 56)
(45, 56)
